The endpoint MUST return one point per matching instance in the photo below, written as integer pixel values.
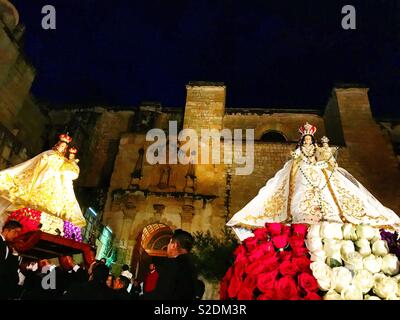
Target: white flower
(380, 248)
(314, 244)
(314, 231)
(379, 276)
(332, 249)
(341, 278)
(322, 273)
(397, 277)
(385, 287)
(349, 232)
(354, 261)
(363, 247)
(365, 231)
(352, 292)
(318, 255)
(372, 264)
(377, 236)
(390, 265)
(331, 230)
(364, 280)
(368, 297)
(332, 295)
(346, 248)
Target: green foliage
(214, 255)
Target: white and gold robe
(306, 192)
(41, 184)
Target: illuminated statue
(312, 188)
(40, 183)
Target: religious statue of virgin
(310, 188)
(38, 184)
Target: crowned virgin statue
(43, 183)
(310, 188)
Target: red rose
(312, 296)
(234, 287)
(250, 243)
(245, 293)
(286, 288)
(287, 230)
(239, 268)
(261, 234)
(307, 282)
(299, 251)
(262, 250)
(300, 229)
(269, 295)
(240, 250)
(285, 255)
(288, 269)
(302, 263)
(296, 241)
(280, 242)
(274, 228)
(229, 273)
(250, 282)
(255, 268)
(270, 263)
(266, 281)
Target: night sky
(269, 53)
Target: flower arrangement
(272, 265)
(72, 232)
(33, 220)
(29, 219)
(352, 262)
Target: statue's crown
(65, 138)
(307, 129)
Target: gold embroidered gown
(40, 184)
(308, 191)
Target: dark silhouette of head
(100, 273)
(181, 242)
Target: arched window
(273, 136)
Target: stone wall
(20, 114)
(369, 154)
(286, 123)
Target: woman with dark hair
(311, 188)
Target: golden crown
(307, 129)
(65, 138)
(73, 150)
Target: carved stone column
(158, 210)
(187, 217)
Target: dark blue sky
(269, 53)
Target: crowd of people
(173, 279)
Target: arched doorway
(273, 136)
(151, 247)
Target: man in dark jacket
(178, 275)
(95, 289)
(9, 260)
